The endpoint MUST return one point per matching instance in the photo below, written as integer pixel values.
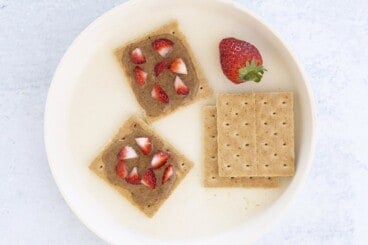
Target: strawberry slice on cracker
(178, 66)
(127, 152)
(149, 179)
(159, 94)
(160, 67)
(133, 177)
(159, 159)
(180, 86)
(163, 46)
(121, 169)
(144, 144)
(137, 56)
(168, 173)
(140, 76)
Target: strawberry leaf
(251, 72)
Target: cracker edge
(123, 130)
(164, 29)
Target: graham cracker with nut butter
(236, 123)
(147, 200)
(275, 134)
(211, 176)
(194, 79)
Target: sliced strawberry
(127, 152)
(159, 159)
(145, 144)
(137, 56)
(140, 76)
(149, 179)
(133, 177)
(178, 66)
(168, 172)
(160, 67)
(163, 46)
(121, 169)
(180, 86)
(159, 93)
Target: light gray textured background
(330, 39)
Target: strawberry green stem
(251, 72)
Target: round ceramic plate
(89, 99)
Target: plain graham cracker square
(255, 134)
(211, 177)
(236, 125)
(275, 133)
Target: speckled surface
(329, 38)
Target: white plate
(89, 99)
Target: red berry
(178, 66)
(140, 76)
(240, 61)
(159, 159)
(149, 179)
(159, 93)
(163, 46)
(121, 169)
(127, 152)
(180, 86)
(137, 56)
(145, 144)
(133, 177)
(168, 172)
(160, 67)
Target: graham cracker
(181, 165)
(275, 134)
(236, 123)
(171, 27)
(211, 176)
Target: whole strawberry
(240, 61)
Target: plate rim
(242, 8)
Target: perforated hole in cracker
(122, 139)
